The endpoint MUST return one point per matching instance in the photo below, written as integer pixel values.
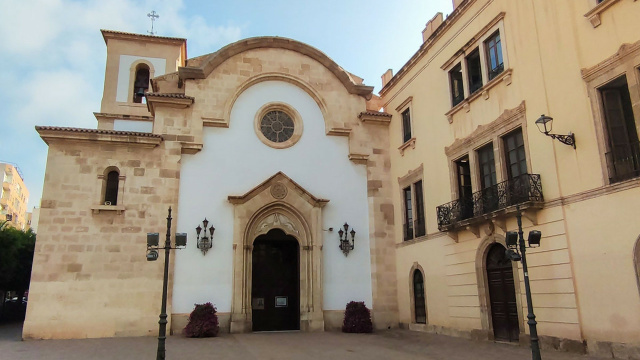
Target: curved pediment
(202, 66)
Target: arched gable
(212, 61)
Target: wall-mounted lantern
(205, 242)
(545, 124)
(346, 245)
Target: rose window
(277, 126)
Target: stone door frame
(278, 203)
(483, 287)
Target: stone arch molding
(276, 221)
(293, 80)
(278, 203)
(222, 76)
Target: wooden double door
(502, 294)
(275, 291)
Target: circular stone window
(278, 125)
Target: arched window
(418, 298)
(111, 189)
(141, 83)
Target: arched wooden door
(502, 294)
(275, 289)
(418, 298)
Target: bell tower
(132, 61)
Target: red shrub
(357, 318)
(203, 321)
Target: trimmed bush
(357, 318)
(203, 321)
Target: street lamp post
(513, 241)
(152, 255)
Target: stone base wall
(333, 320)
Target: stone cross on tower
(153, 16)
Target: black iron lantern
(205, 242)
(346, 245)
(545, 125)
(181, 239)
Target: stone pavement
(392, 344)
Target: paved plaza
(392, 344)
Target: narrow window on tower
(111, 188)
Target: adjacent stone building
(14, 197)
(277, 147)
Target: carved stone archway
(278, 203)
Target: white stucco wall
(133, 125)
(232, 162)
(124, 72)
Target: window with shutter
(623, 155)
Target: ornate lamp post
(205, 242)
(152, 255)
(346, 245)
(515, 239)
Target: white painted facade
(233, 161)
(124, 73)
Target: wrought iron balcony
(624, 162)
(526, 188)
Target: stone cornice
(178, 101)
(370, 117)
(213, 60)
(594, 14)
(122, 116)
(49, 134)
(505, 77)
(624, 51)
(483, 131)
(110, 34)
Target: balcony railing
(522, 189)
(624, 162)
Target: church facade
(284, 152)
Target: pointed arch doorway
(502, 295)
(275, 291)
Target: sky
(52, 55)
